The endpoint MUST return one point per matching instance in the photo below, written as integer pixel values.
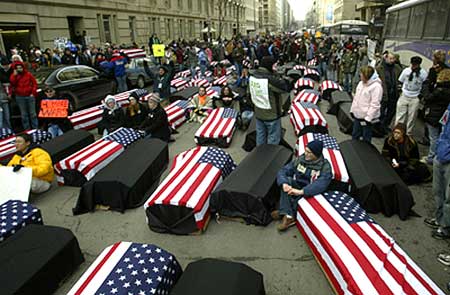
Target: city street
(284, 259)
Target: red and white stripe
(312, 62)
(8, 147)
(100, 269)
(211, 92)
(189, 185)
(359, 258)
(214, 63)
(216, 127)
(304, 83)
(90, 159)
(328, 84)
(175, 115)
(86, 119)
(299, 67)
(183, 74)
(334, 157)
(221, 81)
(199, 82)
(178, 83)
(134, 53)
(304, 96)
(302, 117)
(311, 72)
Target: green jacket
(380, 71)
(349, 62)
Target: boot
(275, 215)
(286, 223)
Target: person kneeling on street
(156, 124)
(113, 117)
(31, 156)
(200, 106)
(402, 152)
(307, 175)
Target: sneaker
(440, 234)
(431, 222)
(275, 215)
(444, 258)
(427, 160)
(286, 223)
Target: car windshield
(42, 73)
(140, 62)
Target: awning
(211, 30)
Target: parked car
(136, 75)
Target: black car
(81, 85)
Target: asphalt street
(285, 260)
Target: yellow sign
(158, 50)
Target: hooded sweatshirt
(23, 84)
(366, 104)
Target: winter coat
(112, 119)
(156, 124)
(118, 65)
(436, 103)
(277, 86)
(5, 75)
(23, 84)
(38, 160)
(366, 103)
(135, 120)
(161, 84)
(349, 62)
(405, 154)
(381, 73)
(443, 143)
(311, 176)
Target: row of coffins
(8, 148)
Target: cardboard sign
(158, 50)
(15, 185)
(57, 108)
(259, 91)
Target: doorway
(76, 27)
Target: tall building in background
(252, 16)
(324, 12)
(287, 16)
(345, 10)
(271, 15)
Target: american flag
(199, 82)
(178, 83)
(221, 81)
(304, 114)
(230, 70)
(328, 84)
(214, 63)
(183, 74)
(8, 148)
(191, 180)
(312, 62)
(368, 260)
(89, 160)
(176, 113)
(330, 152)
(304, 83)
(15, 215)
(134, 53)
(130, 268)
(311, 72)
(305, 96)
(299, 67)
(221, 123)
(125, 136)
(122, 98)
(6, 133)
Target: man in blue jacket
(307, 175)
(118, 63)
(441, 183)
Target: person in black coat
(113, 117)
(161, 82)
(135, 113)
(156, 124)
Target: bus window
(437, 13)
(417, 21)
(391, 23)
(402, 24)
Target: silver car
(136, 75)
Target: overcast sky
(300, 8)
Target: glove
(17, 168)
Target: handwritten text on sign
(57, 108)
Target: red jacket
(23, 84)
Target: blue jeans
(5, 116)
(122, 84)
(348, 82)
(54, 130)
(203, 69)
(239, 68)
(192, 69)
(360, 130)
(246, 117)
(288, 204)
(27, 106)
(323, 69)
(433, 134)
(268, 132)
(441, 192)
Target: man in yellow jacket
(37, 159)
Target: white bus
(343, 30)
(418, 27)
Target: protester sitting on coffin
(156, 124)
(243, 79)
(113, 117)
(55, 126)
(227, 99)
(402, 152)
(307, 175)
(32, 156)
(200, 106)
(136, 112)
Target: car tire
(140, 83)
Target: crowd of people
(386, 100)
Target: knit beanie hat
(316, 147)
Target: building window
(189, 4)
(199, 5)
(132, 26)
(168, 28)
(168, 3)
(180, 28)
(107, 28)
(180, 4)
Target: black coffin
(250, 138)
(375, 184)
(344, 118)
(337, 97)
(127, 180)
(251, 191)
(184, 94)
(36, 259)
(217, 277)
(67, 144)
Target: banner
(371, 48)
(259, 90)
(54, 108)
(14, 185)
(158, 50)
